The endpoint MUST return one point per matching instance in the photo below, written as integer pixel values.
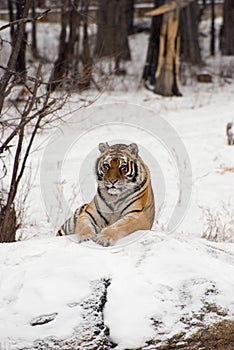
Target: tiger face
(116, 167)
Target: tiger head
(118, 167)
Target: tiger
(124, 201)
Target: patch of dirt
(219, 336)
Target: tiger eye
(123, 167)
(106, 166)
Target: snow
(157, 279)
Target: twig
(25, 20)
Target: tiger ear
(103, 147)
(133, 149)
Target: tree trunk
(165, 66)
(166, 75)
(86, 77)
(11, 65)
(112, 35)
(190, 50)
(21, 60)
(34, 31)
(130, 15)
(11, 19)
(60, 65)
(74, 63)
(212, 29)
(153, 47)
(227, 35)
(8, 216)
(8, 225)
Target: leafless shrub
(33, 112)
(219, 224)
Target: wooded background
(173, 38)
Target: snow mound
(150, 289)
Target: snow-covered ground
(160, 282)
(170, 280)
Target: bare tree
(64, 51)
(190, 50)
(33, 107)
(34, 30)
(86, 59)
(162, 66)
(73, 65)
(212, 29)
(153, 49)
(130, 7)
(16, 10)
(227, 34)
(112, 35)
(16, 45)
(163, 58)
(31, 113)
(11, 18)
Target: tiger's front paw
(86, 235)
(107, 237)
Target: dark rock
(90, 334)
(204, 78)
(43, 319)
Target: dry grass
(224, 170)
(219, 224)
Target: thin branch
(29, 106)
(13, 56)
(27, 152)
(25, 122)
(13, 188)
(25, 20)
(29, 78)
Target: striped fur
(124, 201)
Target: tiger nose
(113, 181)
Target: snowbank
(159, 279)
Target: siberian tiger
(124, 201)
